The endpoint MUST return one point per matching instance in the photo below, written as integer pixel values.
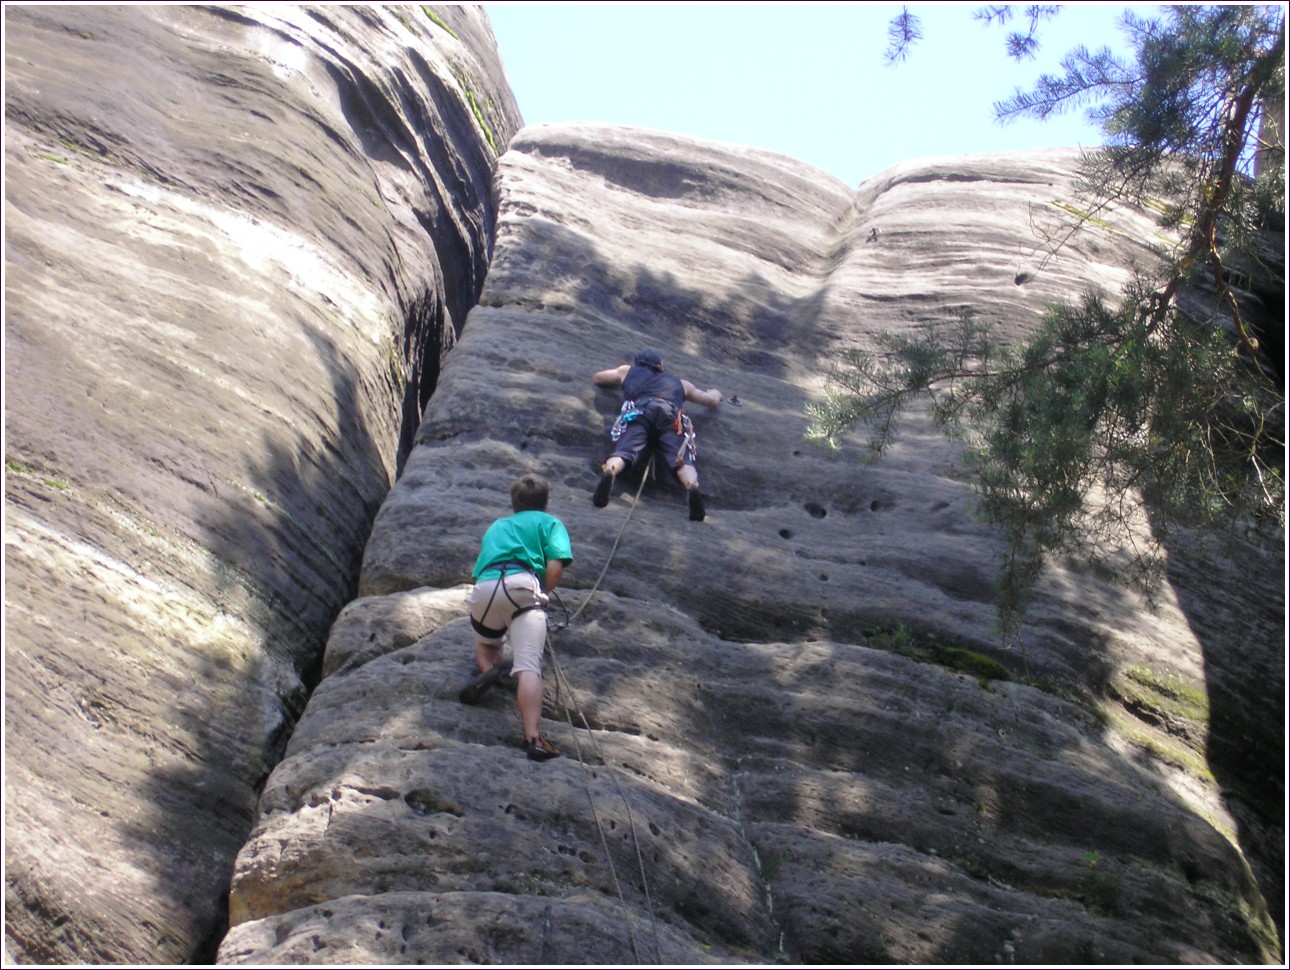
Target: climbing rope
(600, 829)
(617, 540)
(562, 687)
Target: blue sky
(802, 79)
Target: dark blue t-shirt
(642, 383)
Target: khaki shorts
(494, 605)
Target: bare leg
(487, 655)
(609, 471)
(693, 497)
(528, 698)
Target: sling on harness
(487, 632)
(660, 415)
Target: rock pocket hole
(786, 533)
(428, 803)
(816, 510)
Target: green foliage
(1110, 418)
(1192, 120)
(905, 29)
(15, 467)
(1073, 435)
(974, 867)
(1019, 46)
(435, 18)
(1172, 696)
(468, 83)
(1101, 892)
(904, 642)
(483, 122)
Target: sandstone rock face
(760, 763)
(238, 243)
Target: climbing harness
(489, 633)
(660, 414)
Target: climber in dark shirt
(653, 415)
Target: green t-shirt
(529, 537)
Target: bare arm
(554, 573)
(709, 398)
(613, 377)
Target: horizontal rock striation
(789, 732)
(239, 241)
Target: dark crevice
(424, 345)
(946, 176)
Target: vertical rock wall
(802, 741)
(238, 242)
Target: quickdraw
(689, 450)
(628, 413)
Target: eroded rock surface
(772, 768)
(238, 242)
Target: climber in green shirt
(521, 559)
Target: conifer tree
(1170, 407)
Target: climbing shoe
(695, 500)
(540, 749)
(601, 498)
(474, 692)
